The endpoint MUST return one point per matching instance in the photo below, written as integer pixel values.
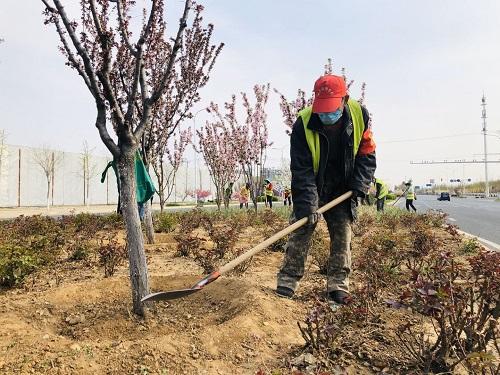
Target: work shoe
(284, 292)
(338, 298)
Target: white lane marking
(452, 219)
(489, 244)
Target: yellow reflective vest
(383, 188)
(269, 189)
(312, 137)
(410, 193)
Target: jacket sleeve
(365, 162)
(304, 189)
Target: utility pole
(483, 116)
(187, 167)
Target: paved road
(480, 217)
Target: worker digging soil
(332, 151)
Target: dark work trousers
(409, 203)
(289, 200)
(380, 204)
(269, 200)
(339, 221)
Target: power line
(427, 138)
(454, 162)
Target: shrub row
(454, 286)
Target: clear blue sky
(426, 64)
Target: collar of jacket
(315, 123)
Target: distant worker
(268, 189)
(287, 196)
(331, 152)
(228, 194)
(244, 195)
(381, 193)
(410, 196)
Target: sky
(426, 64)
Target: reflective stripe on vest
(269, 190)
(410, 194)
(312, 137)
(383, 188)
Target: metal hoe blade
(174, 294)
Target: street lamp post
(486, 182)
(282, 162)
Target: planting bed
(65, 317)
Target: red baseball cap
(328, 93)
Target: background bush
(165, 222)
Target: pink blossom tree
(362, 98)
(290, 109)
(126, 72)
(252, 139)
(190, 72)
(242, 144)
(166, 165)
(200, 194)
(218, 147)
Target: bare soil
(74, 321)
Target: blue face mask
(330, 118)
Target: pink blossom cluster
(252, 138)
(198, 193)
(216, 143)
(290, 109)
(231, 147)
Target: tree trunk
(218, 199)
(48, 194)
(254, 201)
(162, 200)
(88, 190)
(135, 242)
(148, 222)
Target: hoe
(173, 294)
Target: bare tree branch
(142, 81)
(177, 45)
(146, 31)
(78, 46)
(71, 57)
(103, 131)
(123, 27)
(135, 86)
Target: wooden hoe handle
(250, 253)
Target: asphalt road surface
(479, 217)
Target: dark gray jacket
(357, 174)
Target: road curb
(487, 243)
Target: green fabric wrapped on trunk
(144, 186)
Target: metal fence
(23, 182)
